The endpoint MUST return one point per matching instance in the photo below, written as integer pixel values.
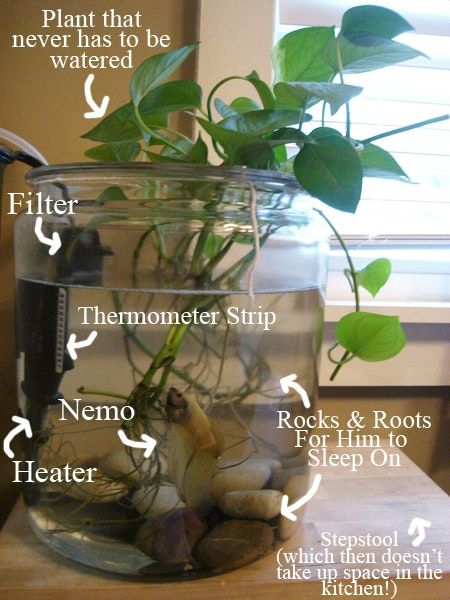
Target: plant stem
(354, 277)
(130, 334)
(107, 393)
(177, 133)
(352, 270)
(341, 77)
(405, 128)
(152, 132)
(301, 117)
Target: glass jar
(204, 286)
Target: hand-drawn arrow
(23, 425)
(72, 343)
(288, 511)
(418, 525)
(290, 382)
(97, 111)
(54, 243)
(148, 443)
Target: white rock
(283, 476)
(120, 465)
(253, 474)
(152, 502)
(251, 504)
(295, 488)
(274, 464)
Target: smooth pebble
(153, 503)
(283, 476)
(251, 504)
(233, 543)
(250, 475)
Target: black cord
(8, 156)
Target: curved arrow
(290, 382)
(288, 511)
(23, 425)
(72, 343)
(54, 242)
(418, 524)
(148, 443)
(97, 111)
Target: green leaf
(224, 110)
(280, 154)
(230, 140)
(111, 193)
(286, 135)
(298, 55)
(257, 155)
(170, 97)
(370, 337)
(259, 122)
(155, 70)
(162, 158)
(374, 275)
(114, 152)
(120, 125)
(213, 245)
(377, 162)
(182, 147)
(264, 91)
(198, 154)
(361, 52)
(194, 154)
(299, 94)
(243, 105)
(330, 169)
(381, 21)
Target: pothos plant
(309, 66)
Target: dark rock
(170, 539)
(233, 543)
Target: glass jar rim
(194, 171)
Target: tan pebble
(253, 504)
(283, 476)
(253, 474)
(273, 463)
(294, 489)
(153, 502)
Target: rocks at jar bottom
(295, 488)
(253, 474)
(152, 501)
(170, 539)
(233, 543)
(129, 468)
(251, 504)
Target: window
(237, 36)
(394, 97)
